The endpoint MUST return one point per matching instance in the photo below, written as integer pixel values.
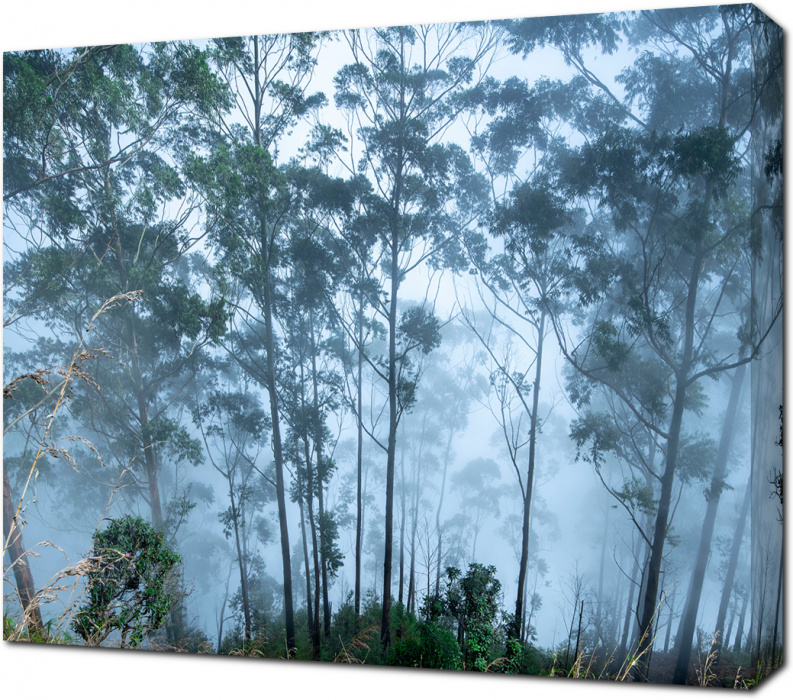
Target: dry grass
(64, 588)
(704, 669)
(250, 650)
(582, 670)
(26, 628)
(359, 647)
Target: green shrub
(525, 659)
(129, 588)
(473, 600)
(430, 646)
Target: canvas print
(452, 346)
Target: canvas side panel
(767, 369)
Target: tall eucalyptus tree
(398, 95)
(247, 202)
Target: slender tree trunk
(528, 612)
(524, 550)
(411, 586)
(759, 613)
(318, 446)
(778, 605)
(365, 491)
(729, 577)
(14, 545)
(359, 491)
(688, 620)
(279, 462)
(402, 518)
(150, 460)
(438, 528)
(324, 566)
(570, 634)
(222, 617)
(374, 587)
(246, 610)
(309, 602)
(267, 245)
(578, 635)
(671, 620)
(741, 620)
(417, 466)
(429, 568)
(616, 613)
(412, 580)
(723, 639)
(650, 600)
(315, 628)
(385, 625)
(626, 626)
(152, 472)
(599, 608)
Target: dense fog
(453, 346)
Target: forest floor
(720, 675)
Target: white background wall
(70, 672)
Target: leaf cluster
(130, 588)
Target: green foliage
(473, 600)
(264, 644)
(62, 109)
(697, 457)
(773, 160)
(533, 213)
(355, 639)
(595, 435)
(570, 33)
(637, 495)
(419, 328)
(525, 659)
(608, 345)
(263, 598)
(653, 79)
(430, 645)
(130, 587)
(332, 555)
(174, 438)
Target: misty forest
(452, 346)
